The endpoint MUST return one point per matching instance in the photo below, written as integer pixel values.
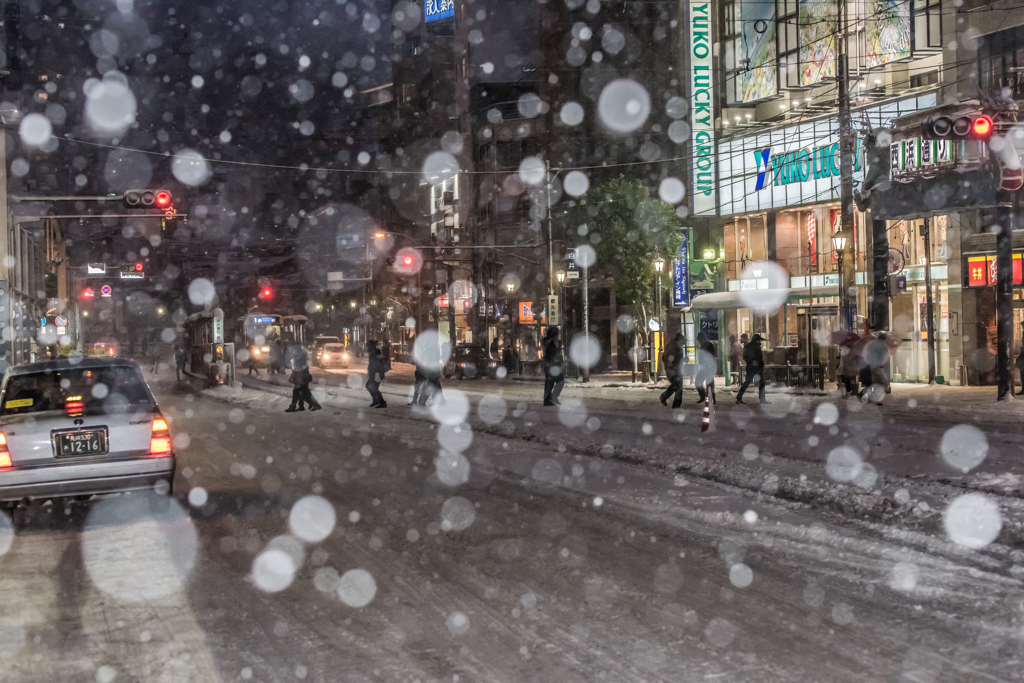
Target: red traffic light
(266, 292)
(407, 261)
(147, 199)
(88, 293)
(138, 267)
(982, 126)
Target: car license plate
(82, 443)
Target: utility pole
(551, 231)
(846, 149)
(810, 300)
(930, 305)
(586, 322)
(1004, 297)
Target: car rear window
(104, 390)
(334, 348)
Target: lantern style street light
(839, 245)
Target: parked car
(471, 361)
(81, 428)
(333, 356)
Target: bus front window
(263, 335)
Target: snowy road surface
(491, 542)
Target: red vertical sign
(812, 237)
(835, 217)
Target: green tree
(628, 229)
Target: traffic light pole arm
(14, 199)
(29, 219)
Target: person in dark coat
(301, 379)
(375, 370)
(554, 365)
(673, 358)
(275, 364)
(179, 359)
(420, 387)
(707, 364)
(754, 360)
(735, 354)
(495, 351)
(1019, 364)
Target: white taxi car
(80, 428)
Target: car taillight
(5, 455)
(74, 408)
(160, 441)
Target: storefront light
(710, 254)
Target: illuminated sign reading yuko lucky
(702, 104)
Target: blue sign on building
(438, 9)
(709, 324)
(681, 275)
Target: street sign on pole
(553, 313)
(96, 269)
(105, 290)
(572, 269)
(681, 275)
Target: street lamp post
(510, 288)
(659, 266)
(839, 245)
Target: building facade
(778, 188)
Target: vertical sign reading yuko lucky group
(702, 106)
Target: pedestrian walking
(495, 352)
(874, 369)
(301, 378)
(849, 368)
(251, 363)
(554, 363)
(735, 356)
(179, 359)
(420, 387)
(306, 378)
(673, 358)
(1019, 364)
(375, 370)
(707, 364)
(275, 363)
(754, 360)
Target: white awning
(731, 300)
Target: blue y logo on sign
(761, 156)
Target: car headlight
(344, 356)
(326, 356)
(266, 349)
(256, 351)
